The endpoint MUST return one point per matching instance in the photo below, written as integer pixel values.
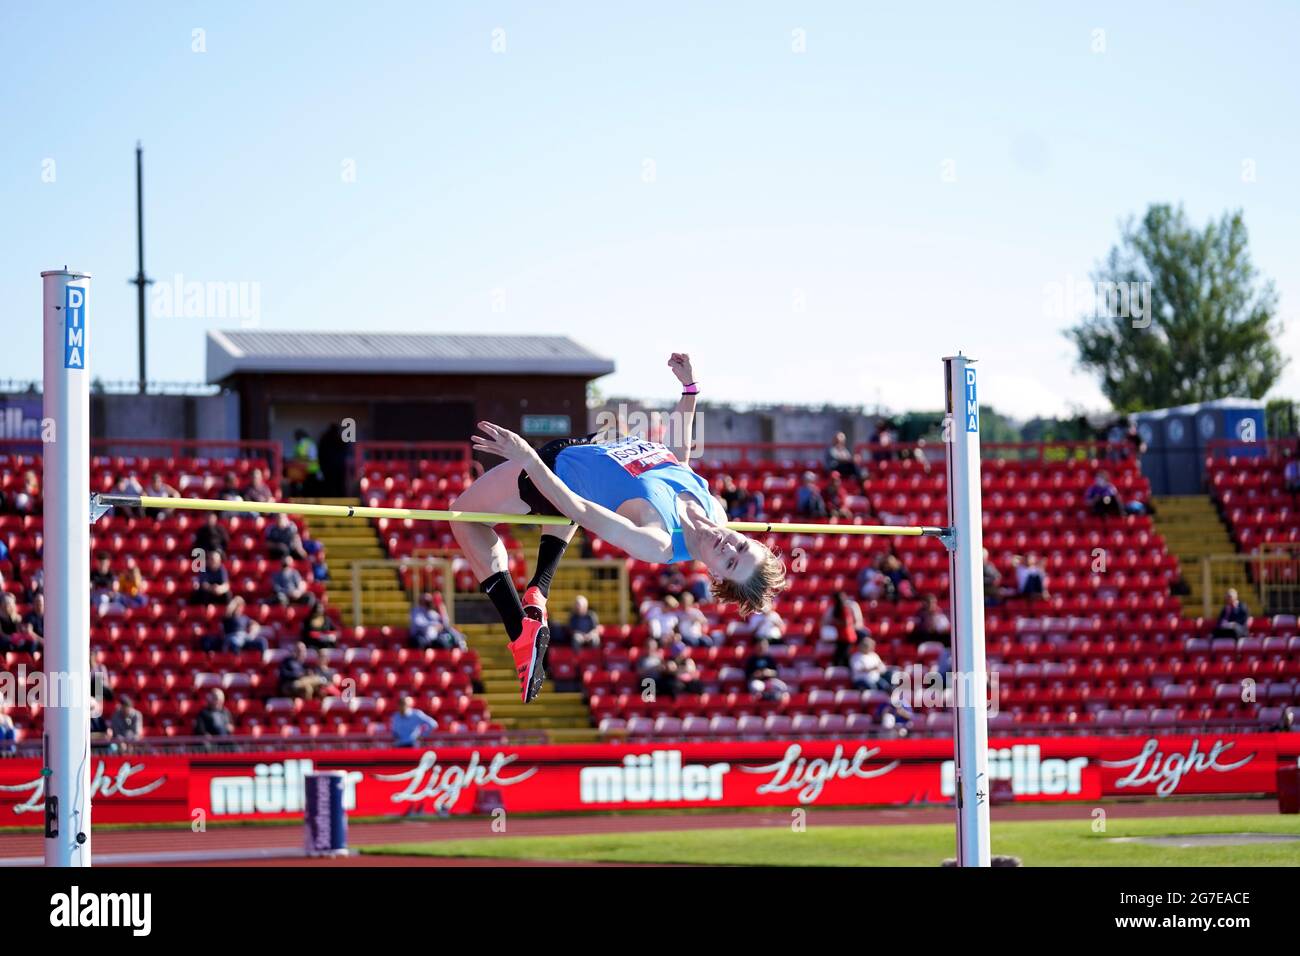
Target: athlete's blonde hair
(757, 592)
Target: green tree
(1212, 330)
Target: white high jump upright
(66, 560)
(966, 594)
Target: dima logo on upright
(74, 327)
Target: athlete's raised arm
(644, 544)
(683, 420)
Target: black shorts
(538, 504)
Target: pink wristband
(691, 389)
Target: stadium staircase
(1192, 529)
(563, 715)
(346, 541)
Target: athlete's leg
(496, 491)
(550, 549)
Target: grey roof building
(235, 352)
(401, 386)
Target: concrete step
(574, 735)
(538, 723)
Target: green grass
(1037, 843)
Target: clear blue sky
(504, 191)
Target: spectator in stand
(101, 575)
(214, 720)
(34, 621)
(8, 732)
(318, 629)
(333, 462)
(650, 667)
(1124, 431)
(132, 585)
(27, 500)
(127, 724)
(885, 439)
(212, 584)
(672, 583)
(238, 631)
(111, 600)
(840, 459)
(1102, 497)
(692, 624)
(873, 583)
(1031, 579)
(319, 569)
(101, 681)
(837, 499)
(868, 670)
(761, 674)
(230, 488)
(328, 675)
(917, 454)
(763, 626)
(35, 583)
(305, 463)
(230, 491)
(410, 724)
(681, 674)
(431, 629)
(697, 581)
(128, 485)
(283, 538)
(297, 677)
(1291, 472)
(899, 577)
(930, 623)
(212, 535)
(100, 735)
(158, 488)
(584, 629)
(13, 632)
(742, 504)
(992, 581)
(258, 489)
(288, 586)
(808, 498)
(842, 622)
(659, 616)
(1234, 619)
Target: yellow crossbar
(479, 517)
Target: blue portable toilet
(1179, 440)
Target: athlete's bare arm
(644, 544)
(683, 420)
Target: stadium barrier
(457, 778)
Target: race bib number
(637, 455)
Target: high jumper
(638, 495)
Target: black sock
(549, 551)
(500, 588)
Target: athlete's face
(725, 553)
